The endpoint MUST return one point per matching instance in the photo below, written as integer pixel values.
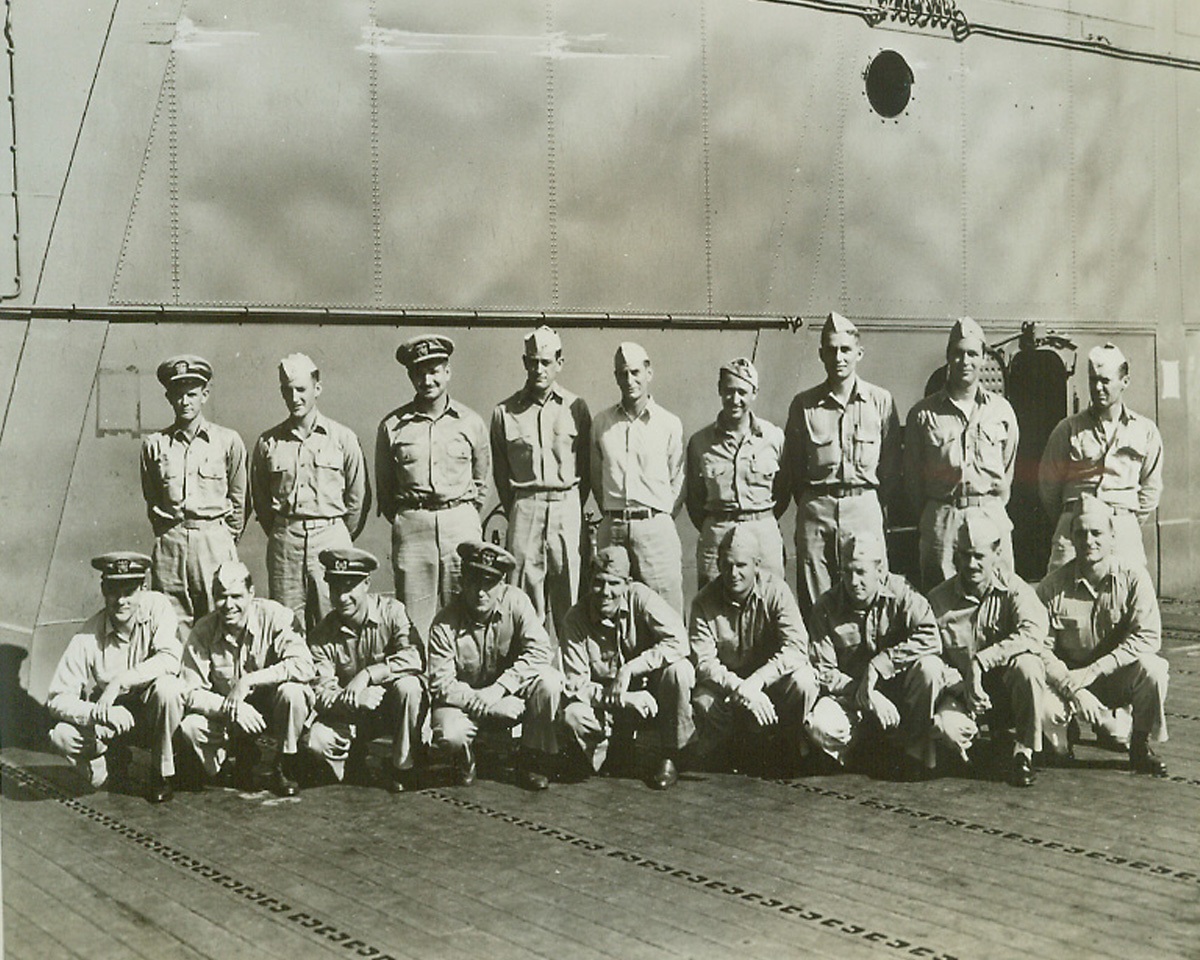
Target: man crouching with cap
(370, 669)
(994, 634)
(625, 656)
(194, 484)
(248, 671)
(875, 646)
(755, 685)
(432, 462)
(1106, 631)
(490, 666)
(733, 475)
(117, 678)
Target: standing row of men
(837, 457)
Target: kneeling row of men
(883, 665)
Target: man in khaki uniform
(431, 467)
(118, 679)
(247, 670)
(1106, 632)
(733, 475)
(994, 634)
(625, 657)
(841, 459)
(753, 673)
(1107, 451)
(875, 646)
(194, 483)
(370, 669)
(637, 477)
(308, 481)
(490, 665)
(541, 437)
(960, 449)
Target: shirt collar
(856, 394)
(199, 428)
(319, 425)
(370, 620)
(410, 412)
(755, 427)
(651, 406)
(1106, 568)
(1123, 417)
(527, 399)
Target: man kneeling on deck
(1106, 632)
(753, 675)
(625, 656)
(117, 680)
(370, 668)
(490, 665)
(875, 647)
(248, 671)
(994, 635)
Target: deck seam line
(326, 933)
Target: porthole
(889, 84)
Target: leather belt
(431, 505)
(636, 513)
(727, 515)
(312, 523)
(551, 495)
(841, 490)
(965, 500)
(198, 523)
(1074, 503)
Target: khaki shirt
(1006, 621)
(762, 635)
(895, 630)
(214, 661)
(422, 460)
(510, 648)
(319, 477)
(646, 634)
(827, 444)
(1125, 472)
(541, 446)
(1107, 626)
(196, 476)
(387, 645)
(727, 473)
(948, 454)
(97, 655)
(637, 462)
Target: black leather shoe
(1142, 759)
(531, 772)
(160, 789)
(666, 774)
(401, 781)
(283, 778)
(464, 767)
(1020, 771)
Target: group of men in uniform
(861, 657)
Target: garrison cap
(122, 565)
(613, 561)
(743, 369)
(977, 530)
(487, 557)
(1106, 353)
(632, 355)
(967, 329)
(865, 546)
(232, 573)
(347, 563)
(836, 323)
(184, 367)
(1093, 506)
(297, 365)
(543, 338)
(741, 537)
(426, 346)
